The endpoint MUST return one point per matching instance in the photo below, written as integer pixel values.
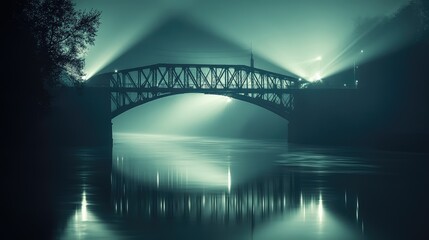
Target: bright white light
(361, 51)
(84, 210)
(320, 209)
(319, 58)
(228, 99)
(316, 77)
(116, 70)
(229, 179)
(157, 179)
(109, 46)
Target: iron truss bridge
(132, 87)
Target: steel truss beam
(133, 87)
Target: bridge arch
(261, 103)
(130, 88)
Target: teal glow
(201, 115)
(310, 221)
(84, 224)
(178, 167)
(286, 33)
(181, 114)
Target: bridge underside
(136, 99)
(132, 87)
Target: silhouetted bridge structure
(132, 87)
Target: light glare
(229, 179)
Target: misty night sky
(285, 36)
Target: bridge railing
(173, 76)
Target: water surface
(175, 187)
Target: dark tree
(45, 45)
(62, 36)
(42, 41)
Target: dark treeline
(396, 84)
(392, 91)
(43, 45)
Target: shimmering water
(174, 187)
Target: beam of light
(105, 52)
(119, 29)
(377, 45)
(316, 77)
(345, 58)
(175, 115)
(289, 44)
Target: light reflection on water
(230, 189)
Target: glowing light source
(316, 77)
(84, 210)
(320, 209)
(229, 179)
(228, 99)
(157, 179)
(319, 58)
(116, 70)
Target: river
(176, 187)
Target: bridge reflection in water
(257, 200)
(211, 188)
